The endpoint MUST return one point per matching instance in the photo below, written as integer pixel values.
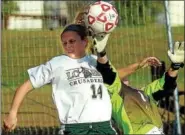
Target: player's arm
(132, 68)
(104, 66)
(38, 76)
(167, 84)
(106, 69)
(11, 120)
(177, 62)
(162, 86)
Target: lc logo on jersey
(83, 75)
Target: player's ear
(85, 42)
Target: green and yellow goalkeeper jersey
(135, 111)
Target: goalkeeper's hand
(149, 61)
(177, 58)
(100, 42)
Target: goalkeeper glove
(100, 42)
(177, 58)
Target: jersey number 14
(96, 91)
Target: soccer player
(81, 98)
(135, 111)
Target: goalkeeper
(135, 111)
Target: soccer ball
(101, 17)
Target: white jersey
(77, 88)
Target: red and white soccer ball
(101, 17)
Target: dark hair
(80, 29)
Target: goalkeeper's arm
(177, 62)
(163, 86)
(166, 85)
(107, 72)
(103, 64)
(132, 68)
(110, 76)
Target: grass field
(24, 49)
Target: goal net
(31, 36)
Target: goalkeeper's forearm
(172, 72)
(124, 72)
(104, 67)
(169, 85)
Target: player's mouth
(70, 51)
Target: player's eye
(72, 41)
(64, 43)
(69, 42)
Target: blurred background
(31, 36)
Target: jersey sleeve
(115, 87)
(154, 86)
(168, 87)
(40, 75)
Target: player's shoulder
(58, 61)
(92, 59)
(59, 58)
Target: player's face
(73, 45)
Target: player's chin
(73, 55)
(70, 53)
